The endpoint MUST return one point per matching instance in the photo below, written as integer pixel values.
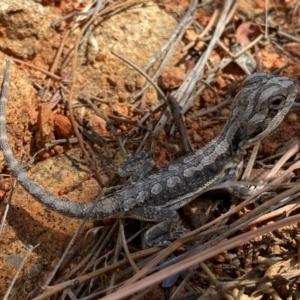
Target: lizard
(256, 110)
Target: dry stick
(150, 80)
(180, 27)
(197, 92)
(179, 32)
(215, 281)
(61, 141)
(36, 68)
(76, 250)
(127, 121)
(231, 13)
(248, 47)
(93, 263)
(292, 150)
(288, 36)
(192, 96)
(107, 116)
(248, 169)
(126, 273)
(162, 64)
(226, 61)
(186, 89)
(70, 99)
(274, 200)
(86, 11)
(175, 108)
(152, 111)
(123, 119)
(285, 52)
(125, 246)
(277, 71)
(216, 96)
(104, 116)
(286, 148)
(204, 32)
(141, 295)
(276, 212)
(250, 200)
(55, 61)
(197, 258)
(233, 56)
(253, 282)
(118, 248)
(138, 69)
(93, 97)
(266, 36)
(87, 259)
(95, 259)
(71, 243)
(293, 206)
(99, 6)
(115, 7)
(52, 290)
(212, 109)
(183, 283)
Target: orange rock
(45, 124)
(122, 109)
(171, 77)
(98, 124)
(62, 126)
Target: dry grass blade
(52, 290)
(161, 93)
(197, 258)
(188, 86)
(64, 255)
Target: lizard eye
(277, 103)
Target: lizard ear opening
(277, 103)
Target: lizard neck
(234, 133)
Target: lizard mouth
(252, 138)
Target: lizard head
(262, 103)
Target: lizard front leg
(137, 168)
(240, 191)
(161, 233)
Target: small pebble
(292, 117)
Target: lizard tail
(78, 210)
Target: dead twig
(179, 122)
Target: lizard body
(257, 109)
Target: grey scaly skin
(257, 109)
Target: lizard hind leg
(163, 232)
